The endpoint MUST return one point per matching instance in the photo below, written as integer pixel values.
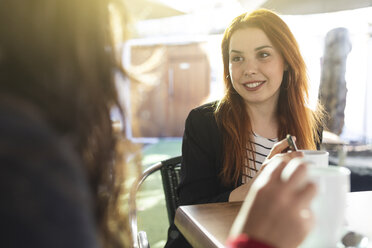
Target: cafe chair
(170, 170)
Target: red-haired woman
(226, 143)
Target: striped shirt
(262, 147)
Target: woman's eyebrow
(262, 47)
(235, 51)
(256, 49)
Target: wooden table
(208, 225)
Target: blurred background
(174, 52)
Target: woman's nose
(250, 68)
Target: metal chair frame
(169, 185)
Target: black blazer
(202, 150)
(201, 163)
(202, 159)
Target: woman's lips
(251, 86)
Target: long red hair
(294, 117)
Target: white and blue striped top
(262, 149)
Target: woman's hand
(279, 148)
(275, 211)
(241, 192)
(277, 152)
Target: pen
(291, 143)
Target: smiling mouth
(253, 85)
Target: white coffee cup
(318, 158)
(328, 206)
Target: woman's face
(256, 68)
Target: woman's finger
(306, 194)
(276, 174)
(297, 177)
(278, 148)
(291, 155)
(286, 157)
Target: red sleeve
(243, 241)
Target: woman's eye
(263, 55)
(236, 59)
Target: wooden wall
(173, 79)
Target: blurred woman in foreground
(61, 170)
